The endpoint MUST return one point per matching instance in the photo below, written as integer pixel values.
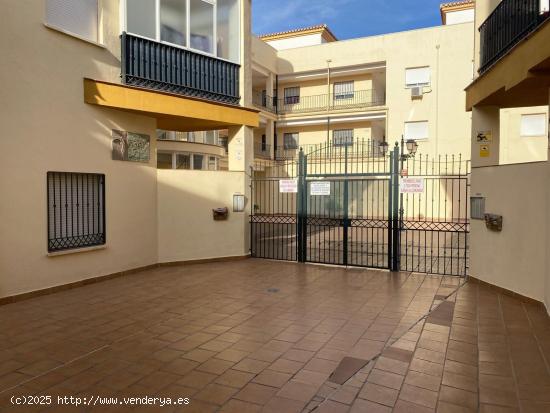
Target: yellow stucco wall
(446, 49)
(48, 127)
(186, 229)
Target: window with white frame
(187, 161)
(77, 17)
(198, 161)
(417, 76)
(290, 140)
(292, 95)
(342, 137)
(212, 163)
(209, 26)
(416, 130)
(533, 125)
(183, 161)
(344, 90)
(164, 160)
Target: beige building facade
(510, 170)
(82, 108)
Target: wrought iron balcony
(265, 102)
(329, 102)
(509, 23)
(262, 150)
(153, 65)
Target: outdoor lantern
(238, 202)
(383, 146)
(412, 146)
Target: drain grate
(272, 290)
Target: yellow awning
(173, 112)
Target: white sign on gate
(288, 186)
(411, 185)
(320, 188)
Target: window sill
(76, 250)
(76, 36)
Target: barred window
(292, 95)
(76, 210)
(344, 90)
(290, 140)
(343, 137)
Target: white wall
(186, 229)
(298, 41)
(515, 258)
(460, 16)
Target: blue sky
(346, 18)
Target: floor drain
(272, 290)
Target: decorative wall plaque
(130, 146)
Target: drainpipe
(437, 105)
(328, 100)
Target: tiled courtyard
(254, 335)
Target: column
(270, 137)
(485, 136)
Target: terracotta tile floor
(215, 334)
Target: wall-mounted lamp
(383, 147)
(238, 202)
(412, 146)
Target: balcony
(153, 65)
(330, 102)
(264, 102)
(262, 150)
(509, 23)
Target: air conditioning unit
(417, 92)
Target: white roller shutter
(79, 17)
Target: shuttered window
(417, 76)
(344, 90)
(533, 125)
(292, 95)
(76, 210)
(343, 137)
(78, 17)
(290, 140)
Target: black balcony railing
(330, 102)
(265, 102)
(262, 150)
(150, 64)
(506, 26)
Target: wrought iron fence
(150, 64)
(508, 24)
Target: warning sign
(484, 151)
(411, 185)
(320, 188)
(288, 186)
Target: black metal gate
(357, 205)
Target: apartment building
(88, 86)
(510, 228)
(313, 88)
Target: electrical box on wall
(220, 214)
(493, 222)
(477, 207)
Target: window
(417, 76)
(290, 140)
(212, 163)
(173, 21)
(292, 95)
(78, 17)
(210, 26)
(183, 161)
(202, 26)
(343, 90)
(416, 130)
(264, 143)
(342, 137)
(198, 161)
(76, 210)
(228, 29)
(164, 160)
(533, 125)
(210, 137)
